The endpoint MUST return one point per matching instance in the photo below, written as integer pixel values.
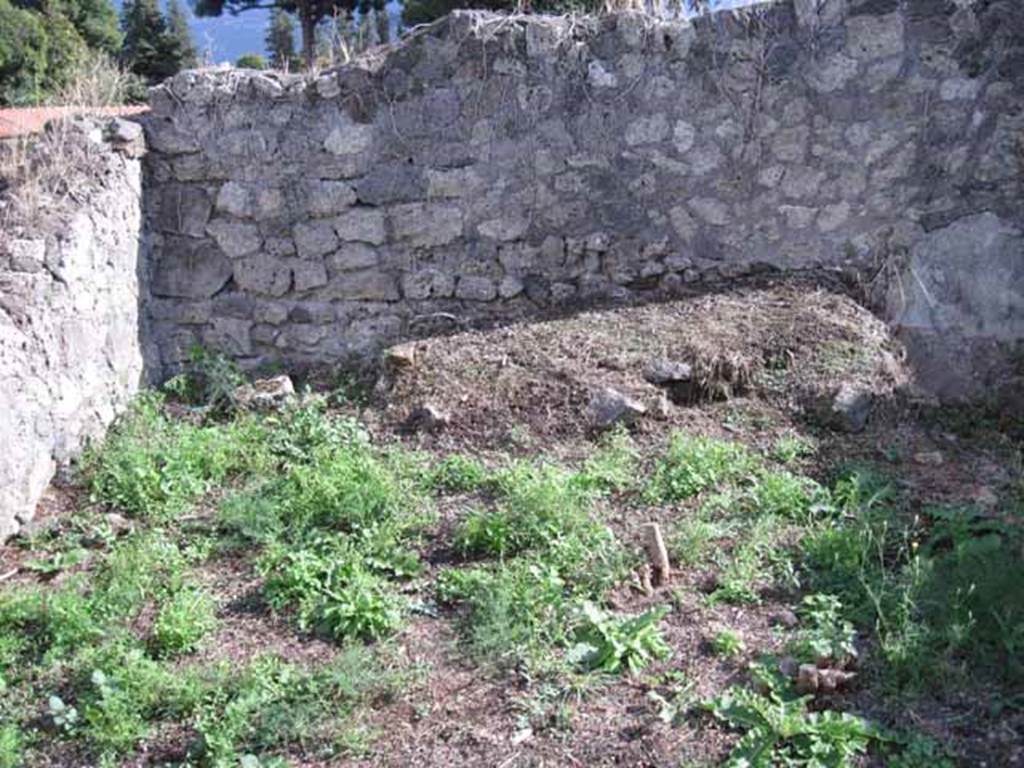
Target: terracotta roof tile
(20, 121)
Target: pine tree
(280, 40)
(181, 35)
(144, 33)
(149, 50)
(95, 21)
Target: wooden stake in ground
(657, 554)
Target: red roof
(19, 121)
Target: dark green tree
(309, 12)
(280, 40)
(149, 50)
(94, 20)
(178, 29)
(33, 31)
(23, 55)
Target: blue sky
(227, 37)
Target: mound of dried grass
(779, 342)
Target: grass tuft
(695, 464)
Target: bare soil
(764, 354)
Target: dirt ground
(762, 360)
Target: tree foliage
(150, 48)
(280, 40)
(251, 61)
(24, 46)
(177, 28)
(49, 47)
(309, 12)
(44, 42)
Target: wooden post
(657, 554)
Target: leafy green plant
(458, 474)
(673, 695)
(347, 487)
(824, 634)
(183, 620)
(728, 643)
(916, 750)
(695, 464)
(114, 718)
(540, 505)
(304, 433)
(783, 495)
(210, 380)
(332, 591)
(141, 567)
(789, 448)
(611, 644)
(12, 744)
(778, 730)
(121, 692)
(153, 466)
(64, 718)
(58, 561)
(269, 704)
(613, 466)
(747, 567)
(516, 609)
(252, 516)
(938, 590)
(692, 538)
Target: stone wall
(489, 168)
(492, 168)
(70, 355)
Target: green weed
(939, 591)
(118, 693)
(183, 620)
(153, 466)
(692, 539)
(210, 381)
(613, 466)
(458, 474)
(778, 730)
(305, 432)
(728, 643)
(539, 507)
(824, 635)
(695, 464)
(270, 704)
(789, 448)
(916, 750)
(612, 644)
(348, 488)
(783, 495)
(748, 567)
(332, 590)
(253, 516)
(12, 743)
(517, 609)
